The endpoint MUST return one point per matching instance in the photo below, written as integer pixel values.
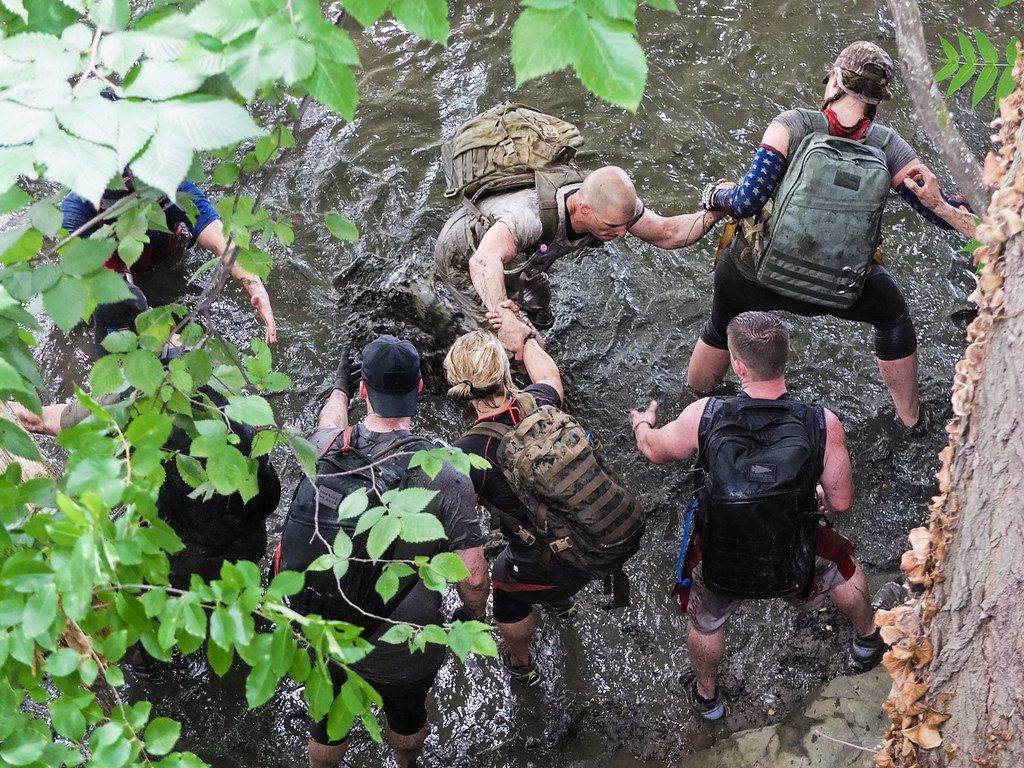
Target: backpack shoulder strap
(493, 429)
(527, 403)
(711, 408)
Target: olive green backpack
(827, 218)
(580, 513)
(510, 147)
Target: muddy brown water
(627, 319)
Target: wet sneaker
(528, 674)
(566, 611)
(709, 709)
(866, 652)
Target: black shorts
(881, 304)
(404, 705)
(517, 588)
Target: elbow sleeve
(756, 186)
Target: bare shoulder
(833, 426)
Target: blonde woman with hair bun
(478, 371)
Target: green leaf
(988, 52)
(13, 199)
(366, 12)
(226, 468)
(965, 73)
(46, 217)
(966, 48)
(353, 505)
(545, 41)
(286, 583)
(143, 371)
(948, 70)
(1007, 84)
(23, 746)
(165, 161)
(62, 662)
(949, 50)
(110, 14)
(422, 527)
(340, 226)
(225, 174)
(265, 148)
(65, 303)
(85, 168)
(408, 501)
(387, 585)
(424, 18)
(208, 123)
(16, 7)
(334, 85)
(450, 566)
(159, 80)
(161, 735)
(14, 439)
(260, 685)
(252, 410)
(984, 83)
(382, 535)
(611, 64)
(397, 634)
(618, 10)
(84, 257)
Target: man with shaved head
(505, 253)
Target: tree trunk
(929, 107)
(958, 652)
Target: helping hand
(923, 183)
(650, 415)
(348, 373)
(261, 302)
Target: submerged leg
(706, 652)
(900, 377)
(708, 366)
(407, 748)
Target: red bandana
(856, 132)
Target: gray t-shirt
(455, 507)
(520, 212)
(800, 122)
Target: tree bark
(957, 659)
(930, 108)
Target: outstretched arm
(487, 271)
(674, 231)
(211, 237)
(758, 183)
(919, 188)
(47, 424)
(541, 366)
(676, 441)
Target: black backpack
(342, 470)
(215, 525)
(759, 461)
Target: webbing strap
(569, 457)
(583, 493)
(573, 477)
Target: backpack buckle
(560, 545)
(528, 538)
(510, 146)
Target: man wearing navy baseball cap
(389, 379)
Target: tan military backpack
(509, 147)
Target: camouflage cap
(869, 61)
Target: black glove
(462, 613)
(348, 374)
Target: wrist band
(639, 423)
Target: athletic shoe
(528, 674)
(565, 611)
(709, 709)
(866, 652)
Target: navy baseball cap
(391, 372)
(110, 318)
